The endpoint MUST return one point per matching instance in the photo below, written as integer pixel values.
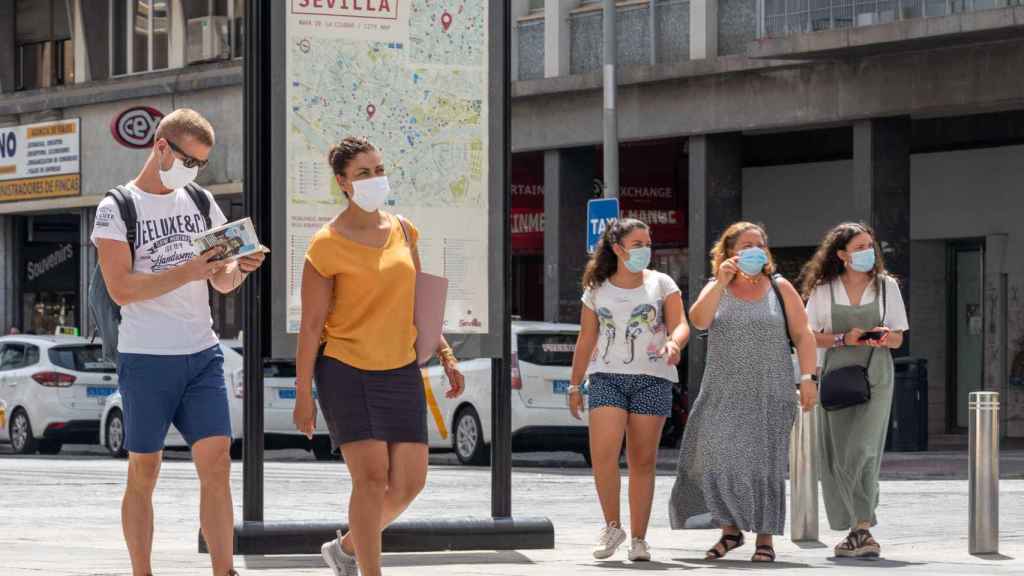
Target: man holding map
(170, 367)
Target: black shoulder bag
(849, 386)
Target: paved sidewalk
(61, 516)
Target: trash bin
(908, 421)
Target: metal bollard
(983, 476)
(803, 477)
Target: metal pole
(983, 476)
(501, 373)
(256, 194)
(611, 128)
(803, 477)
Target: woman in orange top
(358, 336)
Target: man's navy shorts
(187, 391)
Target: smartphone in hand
(877, 335)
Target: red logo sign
(136, 127)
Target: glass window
(238, 29)
(16, 356)
(536, 5)
(141, 35)
(43, 50)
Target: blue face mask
(752, 261)
(863, 260)
(639, 259)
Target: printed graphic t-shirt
(178, 322)
(632, 327)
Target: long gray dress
(734, 455)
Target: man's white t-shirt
(631, 327)
(179, 322)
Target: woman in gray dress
(857, 314)
(734, 455)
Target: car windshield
(82, 358)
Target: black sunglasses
(187, 160)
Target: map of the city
(421, 102)
(411, 75)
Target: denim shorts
(634, 393)
(187, 391)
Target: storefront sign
(50, 268)
(136, 127)
(40, 161)
(653, 185)
(527, 211)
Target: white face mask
(178, 176)
(371, 194)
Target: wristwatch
(811, 377)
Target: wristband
(839, 340)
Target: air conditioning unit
(207, 38)
(867, 19)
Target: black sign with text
(50, 267)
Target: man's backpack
(106, 314)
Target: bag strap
(405, 229)
(201, 200)
(129, 214)
(782, 306)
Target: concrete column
(557, 36)
(568, 182)
(176, 44)
(881, 191)
(82, 71)
(95, 24)
(703, 29)
(519, 9)
(6, 274)
(8, 49)
(996, 311)
(716, 201)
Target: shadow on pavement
(742, 564)
(873, 562)
(993, 557)
(391, 560)
(814, 545)
(641, 566)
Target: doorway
(966, 342)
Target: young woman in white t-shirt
(857, 314)
(632, 334)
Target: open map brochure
(237, 239)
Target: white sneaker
(609, 541)
(337, 560)
(639, 551)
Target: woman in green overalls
(857, 314)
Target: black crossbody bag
(849, 386)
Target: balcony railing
(785, 17)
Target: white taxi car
(541, 366)
(52, 391)
(278, 402)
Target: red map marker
(446, 20)
(370, 111)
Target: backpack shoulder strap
(129, 214)
(782, 306)
(405, 228)
(202, 201)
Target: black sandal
(736, 540)
(858, 544)
(765, 551)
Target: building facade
(908, 114)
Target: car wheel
(21, 436)
(322, 450)
(237, 449)
(468, 439)
(115, 435)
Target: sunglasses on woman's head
(187, 160)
